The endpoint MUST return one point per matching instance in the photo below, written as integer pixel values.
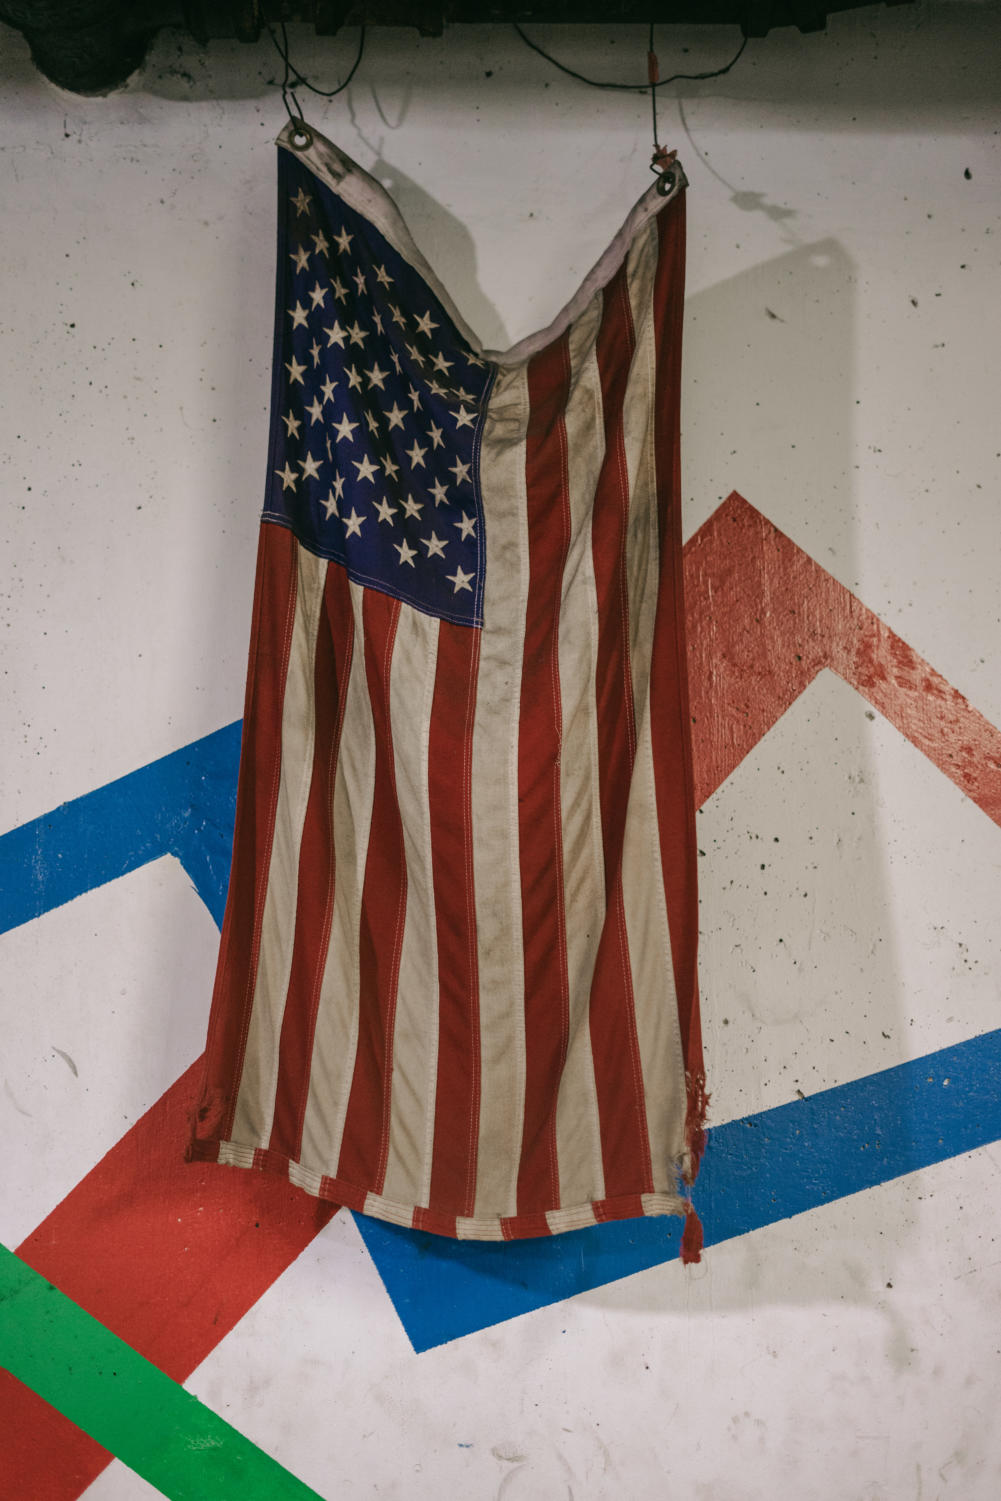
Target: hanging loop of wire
(598, 83)
(302, 136)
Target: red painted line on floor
(170, 1255)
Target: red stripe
(256, 801)
(315, 899)
(450, 748)
(669, 710)
(168, 1254)
(618, 1073)
(365, 1144)
(540, 826)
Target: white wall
(843, 363)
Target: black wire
(597, 83)
(653, 91)
(291, 71)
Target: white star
(381, 274)
(397, 316)
(328, 388)
(354, 378)
(389, 469)
(318, 293)
(298, 316)
(301, 258)
(461, 472)
(395, 415)
(462, 395)
(366, 469)
(295, 371)
(336, 334)
(321, 242)
(472, 359)
(464, 418)
(357, 334)
(414, 354)
(424, 325)
(377, 320)
(407, 554)
(436, 389)
(373, 425)
(466, 526)
(330, 504)
(326, 441)
(292, 424)
(415, 398)
(396, 361)
(376, 377)
(345, 429)
(385, 510)
(302, 201)
(315, 351)
(343, 241)
(339, 290)
(310, 467)
(435, 546)
(415, 455)
(287, 476)
(434, 433)
(315, 410)
(413, 507)
(440, 363)
(352, 524)
(359, 280)
(460, 580)
(338, 489)
(439, 492)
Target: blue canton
(377, 410)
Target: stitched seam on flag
(643, 786)
(387, 1063)
(431, 1073)
(469, 1197)
(585, 386)
(619, 902)
(557, 829)
(328, 914)
(357, 684)
(685, 717)
(312, 598)
(261, 884)
(274, 518)
(481, 556)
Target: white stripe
(494, 794)
(415, 1028)
(578, 1134)
(336, 1038)
(256, 1099)
(648, 935)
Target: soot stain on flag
(377, 405)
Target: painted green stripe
(149, 1422)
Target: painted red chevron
(171, 1255)
(764, 619)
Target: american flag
(456, 983)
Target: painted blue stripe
(758, 1170)
(182, 804)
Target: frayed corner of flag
(695, 1146)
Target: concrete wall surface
(841, 1338)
